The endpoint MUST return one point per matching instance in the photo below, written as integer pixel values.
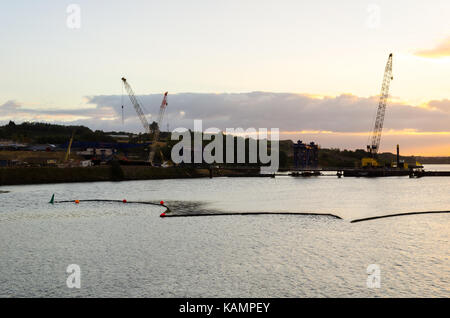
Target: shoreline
(117, 173)
(49, 175)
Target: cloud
(443, 105)
(426, 144)
(12, 110)
(289, 112)
(441, 50)
(10, 106)
(341, 121)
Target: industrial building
(306, 156)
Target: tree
(284, 160)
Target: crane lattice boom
(136, 105)
(140, 113)
(156, 132)
(375, 138)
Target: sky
(313, 69)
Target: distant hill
(43, 133)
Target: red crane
(162, 109)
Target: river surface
(127, 250)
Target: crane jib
(379, 119)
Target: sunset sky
(313, 69)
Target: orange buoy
(77, 201)
(163, 215)
(124, 201)
(161, 202)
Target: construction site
(306, 156)
(151, 149)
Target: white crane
(140, 113)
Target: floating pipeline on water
(123, 201)
(249, 213)
(397, 214)
(165, 215)
(192, 209)
(202, 213)
(196, 206)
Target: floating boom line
(397, 214)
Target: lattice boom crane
(140, 113)
(136, 105)
(375, 138)
(162, 109)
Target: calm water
(128, 251)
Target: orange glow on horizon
(420, 148)
(391, 132)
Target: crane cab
(369, 163)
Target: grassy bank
(16, 176)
